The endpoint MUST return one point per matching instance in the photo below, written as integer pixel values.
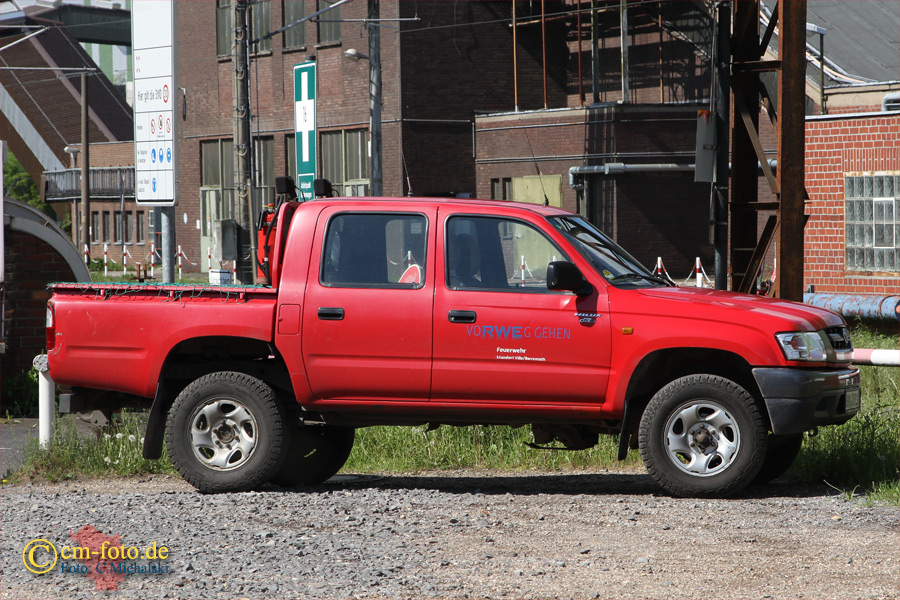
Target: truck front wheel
(225, 433)
(702, 435)
(315, 453)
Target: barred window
(345, 160)
(872, 217)
(259, 18)
(329, 23)
(295, 37)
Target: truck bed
(115, 336)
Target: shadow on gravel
(613, 484)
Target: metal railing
(106, 182)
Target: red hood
(797, 316)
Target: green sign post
(305, 127)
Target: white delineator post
(46, 400)
(699, 273)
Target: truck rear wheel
(702, 435)
(315, 454)
(225, 433)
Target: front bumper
(798, 400)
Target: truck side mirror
(563, 275)
(286, 185)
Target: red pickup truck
(413, 311)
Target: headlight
(803, 345)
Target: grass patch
(113, 451)
(412, 449)
(864, 453)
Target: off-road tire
(225, 432)
(702, 436)
(781, 453)
(315, 453)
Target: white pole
(105, 260)
(2, 228)
(46, 400)
(699, 273)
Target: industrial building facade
(537, 102)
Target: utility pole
(84, 234)
(722, 55)
(242, 142)
(375, 97)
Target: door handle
(462, 316)
(331, 314)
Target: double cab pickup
(414, 311)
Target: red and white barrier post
(179, 261)
(881, 358)
(106, 260)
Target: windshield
(607, 257)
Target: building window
(224, 32)
(872, 217)
(265, 172)
(140, 229)
(217, 172)
(259, 17)
(107, 230)
(295, 37)
(260, 25)
(129, 227)
(117, 227)
(329, 23)
(345, 161)
(382, 250)
(290, 156)
(95, 227)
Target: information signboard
(155, 150)
(305, 127)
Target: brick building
(441, 64)
(853, 180)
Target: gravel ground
(459, 535)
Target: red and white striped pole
(698, 272)
(152, 259)
(87, 256)
(179, 261)
(106, 260)
(881, 358)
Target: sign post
(305, 127)
(155, 126)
